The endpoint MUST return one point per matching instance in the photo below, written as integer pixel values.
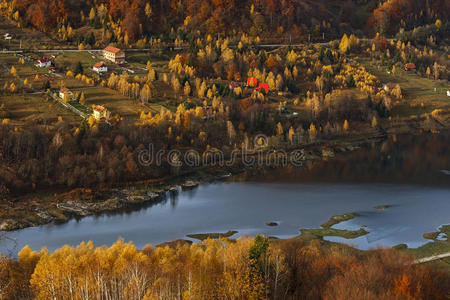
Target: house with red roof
(263, 87)
(44, 62)
(114, 54)
(252, 81)
(411, 67)
(233, 85)
(100, 68)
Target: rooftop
(99, 65)
(112, 49)
(99, 108)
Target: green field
(31, 109)
(126, 107)
(68, 60)
(416, 90)
(139, 59)
(23, 70)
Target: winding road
(431, 258)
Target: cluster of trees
(134, 87)
(429, 62)
(85, 157)
(283, 71)
(407, 14)
(12, 82)
(430, 35)
(249, 268)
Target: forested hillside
(133, 20)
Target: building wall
(97, 115)
(113, 57)
(45, 64)
(101, 69)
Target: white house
(44, 62)
(7, 36)
(65, 94)
(100, 112)
(114, 54)
(448, 93)
(389, 86)
(100, 68)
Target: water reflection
(173, 196)
(402, 174)
(412, 159)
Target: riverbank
(45, 207)
(247, 205)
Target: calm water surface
(408, 173)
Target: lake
(408, 173)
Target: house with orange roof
(114, 54)
(411, 67)
(100, 68)
(65, 94)
(100, 112)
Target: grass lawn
(27, 69)
(112, 100)
(80, 107)
(67, 60)
(418, 92)
(139, 59)
(29, 109)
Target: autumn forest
(88, 86)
